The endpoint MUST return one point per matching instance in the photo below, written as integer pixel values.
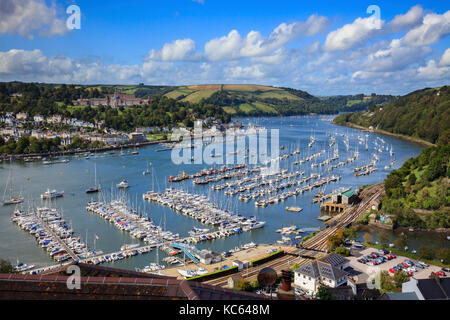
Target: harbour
(237, 195)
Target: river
(74, 177)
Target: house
(434, 288)
(344, 196)
(55, 119)
(21, 116)
(136, 137)
(328, 271)
(38, 118)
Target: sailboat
(12, 199)
(96, 187)
(145, 172)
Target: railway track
(319, 241)
(252, 273)
(316, 243)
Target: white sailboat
(96, 187)
(12, 199)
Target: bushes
(216, 274)
(274, 255)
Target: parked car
(423, 263)
(445, 269)
(393, 270)
(438, 273)
(384, 251)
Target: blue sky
(323, 47)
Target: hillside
(418, 194)
(423, 114)
(258, 100)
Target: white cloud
(353, 34)
(395, 57)
(233, 46)
(445, 59)
(179, 50)
(433, 28)
(408, 20)
(28, 17)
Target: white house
(38, 118)
(328, 271)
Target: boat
(96, 187)
(123, 184)
(129, 246)
(49, 194)
(21, 267)
(187, 273)
(12, 199)
(294, 209)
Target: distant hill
(259, 100)
(234, 99)
(423, 114)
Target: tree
(367, 237)
(6, 266)
(444, 255)
(323, 293)
(383, 237)
(401, 241)
(426, 252)
(343, 251)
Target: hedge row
(214, 275)
(259, 261)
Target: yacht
(49, 194)
(12, 199)
(21, 267)
(123, 184)
(96, 187)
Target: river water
(32, 179)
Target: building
(137, 137)
(104, 283)
(328, 271)
(113, 100)
(340, 200)
(434, 288)
(38, 118)
(21, 116)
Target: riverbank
(70, 152)
(387, 133)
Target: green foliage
(392, 283)
(423, 114)
(343, 251)
(444, 255)
(6, 266)
(426, 252)
(324, 294)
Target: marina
(232, 198)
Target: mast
(10, 178)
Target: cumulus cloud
(395, 57)
(28, 17)
(433, 28)
(233, 46)
(445, 59)
(408, 20)
(179, 50)
(353, 34)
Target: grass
(197, 96)
(229, 110)
(246, 108)
(264, 107)
(352, 102)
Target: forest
(423, 114)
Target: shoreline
(387, 133)
(70, 152)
